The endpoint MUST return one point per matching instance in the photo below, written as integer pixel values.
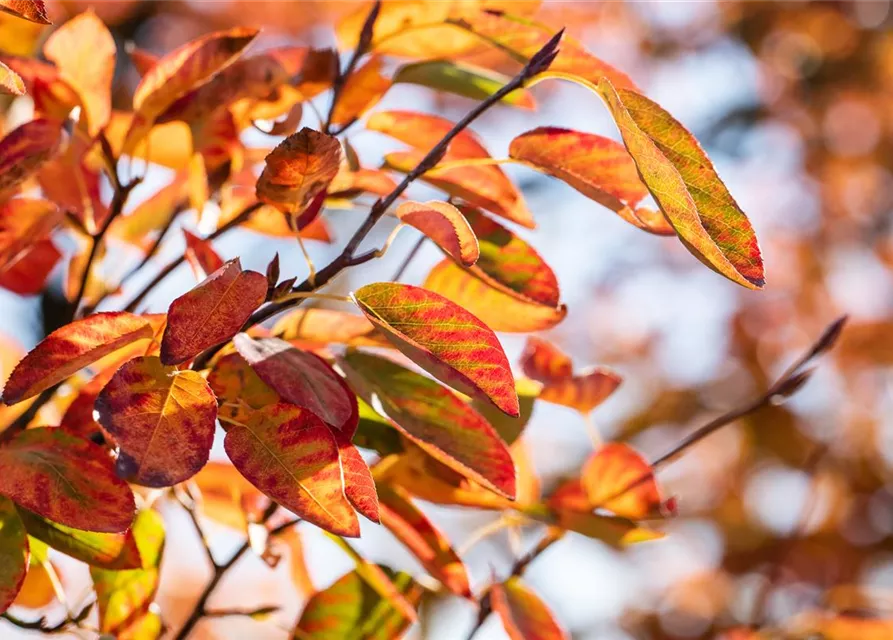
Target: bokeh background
(781, 515)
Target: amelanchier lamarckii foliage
(415, 377)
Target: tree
(413, 375)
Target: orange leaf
(444, 339)
(423, 131)
(300, 575)
(32, 10)
(362, 91)
(24, 149)
(71, 348)
(23, 222)
(327, 326)
(169, 144)
(14, 553)
(143, 60)
(298, 169)
(225, 492)
(239, 388)
(151, 215)
(212, 312)
(162, 419)
(27, 274)
(201, 256)
(73, 180)
(618, 479)
(289, 454)
(685, 185)
(10, 82)
(441, 424)
(597, 167)
(411, 527)
(544, 362)
(348, 184)
(301, 378)
(445, 225)
(84, 52)
(523, 614)
(359, 487)
(65, 479)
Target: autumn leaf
(84, 52)
(463, 79)
(290, 455)
(445, 225)
(11, 83)
(24, 149)
(298, 169)
(444, 339)
(544, 362)
(201, 256)
(71, 348)
(352, 183)
(32, 10)
(685, 185)
(300, 574)
(359, 486)
(239, 389)
(617, 478)
(162, 419)
(524, 615)
(362, 90)
(23, 222)
(226, 496)
(27, 273)
(510, 287)
(444, 426)
(37, 590)
(169, 144)
(14, 553)
(301, 378)
(328, 326)
(114, 551)
(411, 527)
(65, 479)
(212, 312)
(351, 608)
(124, 597)
(509, 428)
(139, 226)
(597, 167)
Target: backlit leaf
(71, 348)
(442, 338)
(239, 388)
(411, 527)
(78, 418)
(65, 479)
(212, 312)
(24, 149)
(84, 52)
(33, 10)
(544, 362)
(359, 486)
(509, 428)
(37, 590)
(685, 185)
(597, 167)
(300, 575)
(162, 419)
(10, 82)
(462, 79)
(24, 221)
(225, 493)
(362, 91)
(423, 131)
(298, 169)
(349, 184)
(201, 256)
(524, 615)
(434, 418)
(27, 273)
(113, 551)
(169, 144)
(124, 597)
(445, 225)
(327, 326)
(351, 608)
(617, 478)
(290, 455)
(14, 553)
(301, 378)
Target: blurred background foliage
(786, 516)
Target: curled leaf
(445, 225)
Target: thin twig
(409, 257)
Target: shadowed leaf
(14, 553)
(24, 149)
(162, 419)
(65, 479)
(462, 79)
(523, 614)
(212, 312)
(445, 225)
(71, 348)
(442, 338)
(290, 455)
(617, 478)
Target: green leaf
(462, 79)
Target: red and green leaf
(290, 455)
(524, 615)
(212, 312)
(71, 348)
(442, 338)
(14, 553)
(163, 421)
(65, 479)
(445, 225)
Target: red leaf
(445, 225)
(618, 479)
(71, 348)
(27, 274)
(65, 479)
(162, 419)
(411, 527)
(290, 455)
(359, 487)
(442, 338)
(301, 378)
(523, 614)
(78, 419)
(544, 362)
(14, 553)
(24, 149)
(434, 418)
(32, 10)
(239, 388)
(212, 312)
(201, 256)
